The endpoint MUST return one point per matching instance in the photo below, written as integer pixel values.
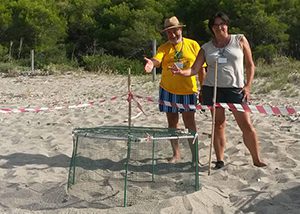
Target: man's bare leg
(190, 124)
(173, 119)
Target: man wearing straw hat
(174, 88)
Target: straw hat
(172, 23)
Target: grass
(283, 75)
(14, 69)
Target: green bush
(283, 75)
(60, 68)
(265, 52)
(6, 67)
(3, 53)
(11, 69)
(55, 55)
(112, 64)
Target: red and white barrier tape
(40, 109)
(263, 109)
(130, 97)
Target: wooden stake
(129, 100)
(213, 116)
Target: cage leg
(75, 155)
(71, 178)
(196, 143)
(153, 160)
(126, 170)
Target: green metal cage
(132, 135)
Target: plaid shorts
(175, 98)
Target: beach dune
(36, 148)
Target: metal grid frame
(131, 134)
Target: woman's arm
(194, 69)
(201, 75)
(249, 65)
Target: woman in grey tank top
(230, 52)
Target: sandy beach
(36, 148)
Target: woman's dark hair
(220, 15)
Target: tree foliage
(126, 28)
(34, 25)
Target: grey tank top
(230, 64)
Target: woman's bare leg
(249, 136)
(220, 138)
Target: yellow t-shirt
(178, 84)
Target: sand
(35, 151)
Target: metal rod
(196, 162)
(71, 177)
(75, 154)
(126, 170)
(98, 136)
(153, 160)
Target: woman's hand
(246, 91)
(149, 65)
(175, 69)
